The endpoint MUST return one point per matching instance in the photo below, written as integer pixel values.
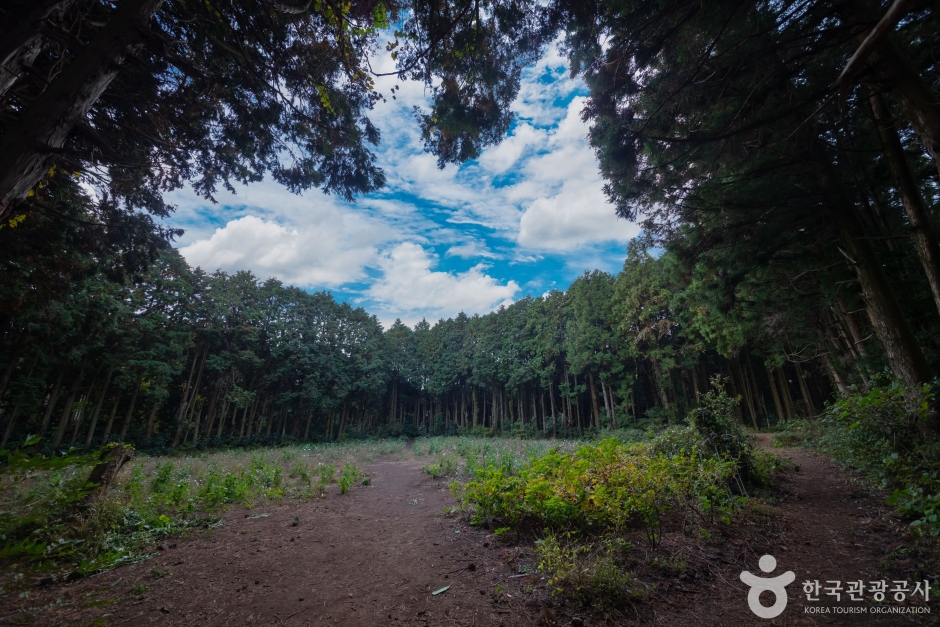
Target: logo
(777, 585)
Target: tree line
(172, 355)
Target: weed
(139, 589)
(159, 573)
(593, 573)
(348, 477)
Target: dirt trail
(374, 556)
(830, 531)
(370, 557)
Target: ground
(377, 555)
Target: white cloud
(577, 213)
(330, 250)
(409, 289)
(469, 250)
(536, 194)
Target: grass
(46, 527)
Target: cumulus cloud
(324, 252)
(410, 289)
(577, 213)
(536, 195)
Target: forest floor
(377, 555)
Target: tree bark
(188, 396)
(925, 239)
(804, 391)
(53, 399)
(110, 423)
(130, 408)
(25, 151)
(21, 39)
(778, 407)
(10, 424)
(150, 419)
(919, 104)
(594, 403)
(904, 353)
(785, 392)
(67, 410)
(98, 406)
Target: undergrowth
(48, 527)
(584, 501)
(888, 433)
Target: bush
(714, 431)
(609, 485)
(593, 573)
(348, 477)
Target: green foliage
(594, 573)
(46, 523)
(138, 589)
(348, 477)
(608, 485)
(445, 466)
(885, 433)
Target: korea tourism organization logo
(854, 591)
(777, 585)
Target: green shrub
(887, 434)
(348, 477)
(593, 573)
(608, 485)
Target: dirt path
(370, 557)
(374, 556)
(828, 530)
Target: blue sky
(528, 216)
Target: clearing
(375, 556)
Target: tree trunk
(110, 423)
(745, 389)
(904, 353)
(778, 407)
(67, 410)
(150, 419)
(551, 398)
(48, 121)
(11, 366)
(10, 424)
(807, 399)
(98, 406)
(921, 230)
(53, 399)
(785, 393)
(213, 402)
(185, 397)
(755, 391)
(21, 39)
(594, 404)
(130, 408)
(918, 101)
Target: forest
(181, 356)
(782, 159)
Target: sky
(527, 217)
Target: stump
(110, 462)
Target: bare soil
(376, 555)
